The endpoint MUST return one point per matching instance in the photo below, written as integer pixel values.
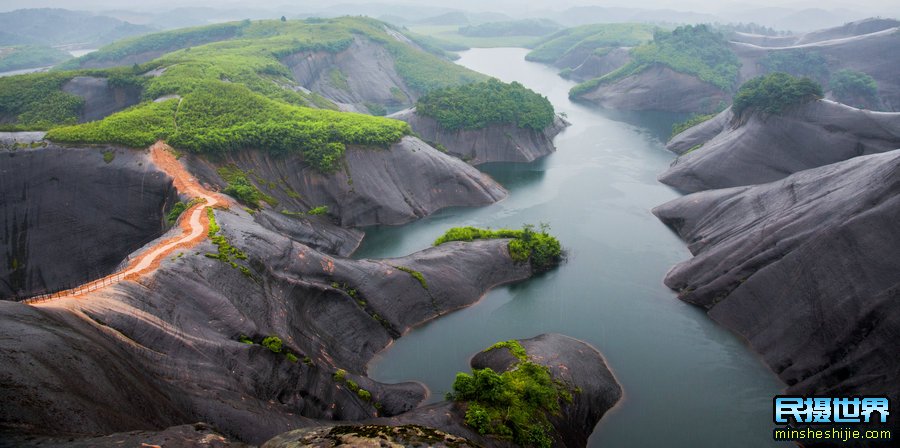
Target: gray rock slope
(872, 53)
(658, 88)
(363, 73)
(806, 269)
(100, 99)
(390, 186)
(164, 351)
(761, 148)
(595, 66)
(571, 361)
(67, 216)
(495, 143)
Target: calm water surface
(687, 382)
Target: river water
(687, 382)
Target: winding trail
(194, 226)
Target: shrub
(176, 211)
(797, 62)
(773, 93)
(364, 394)
(515, 348)
(694, 120)
(340, 375)
(539, 248)
(854, 88)
(272, 343)
(292, 357)
(512, 405)
(320, 210)
(475, 106)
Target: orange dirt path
(194, 225)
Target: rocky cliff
(390, 186)
(658, 88)
(759, 148)
(184, 344)
(362, 74)
(100, 98)
(806, 269)
(596, 65)
(73, 214)
(494, 143)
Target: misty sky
(888, 8)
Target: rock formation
(806, 269)
(758, 148)
(494, 143)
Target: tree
(283, 19)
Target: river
(687, 382)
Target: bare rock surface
(390, 186)
(68, 216)
(761, 148)
(805, 269)
(164, 350)
(100, 98)
(658, 88)
(494, 143)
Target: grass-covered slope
(218, 117)
(694, 50)
(478, 105)
(229, 94)
(50, 26)
(30, 56)
(162, 42)
(588, 38)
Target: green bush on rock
(773, 93)
(475, 106)
(512, 405)
(539, 247)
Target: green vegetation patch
(415, 274)
(226, 253)
(30, 56)
(513, 405)
(515, 348)
(36, 102)
(340, 376)
(478, 105)
(854, 88)
(694, 50)
(773, 93)
(222, 117)
(539, 247)
(163, 42)
(797, 62)
(241, 188)
(588, 38)
(276, 346)
(694, 120)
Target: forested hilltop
(261, 84)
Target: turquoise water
(687, 382)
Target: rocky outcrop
(100, 98)
(658, 88)
(870, 53)
(595, 65)
(494, 143)
(69, 216)
(573, 362)
(362, 74)
(759, 148)
(198, 435)
(165, 350)
(850, 29)
(390, 186)
(805, 269)
(351, 436)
